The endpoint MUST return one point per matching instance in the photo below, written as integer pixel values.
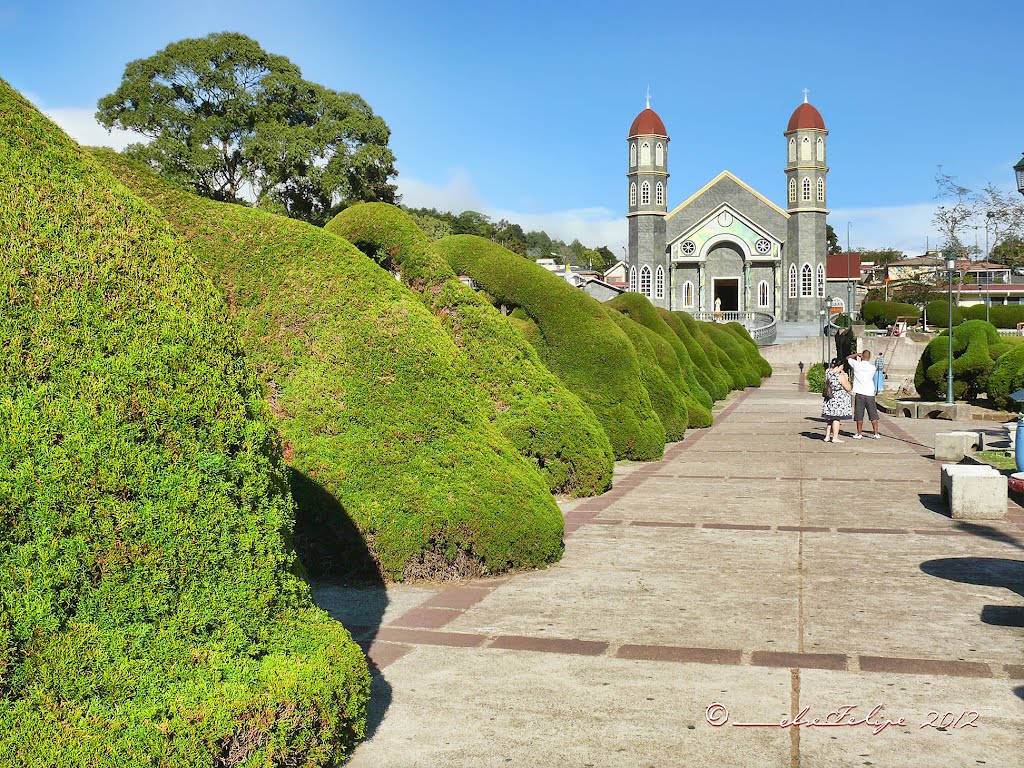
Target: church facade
(727, 246)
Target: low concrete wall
(901, 364)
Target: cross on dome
(806, 92)
(648, 97)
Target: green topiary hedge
(666, 396)
(381, 420)
(1003, 316)
(582, 344)
(150, 612)
(882, 313)
(1007, 376)
(543, 418)
(733, 356)
(700, 348)
(758, 363)
(938, 313)
(973, 344)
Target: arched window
(632, 155)
(805, 150)
(792, 150)
(632, 195)
(645, 193)
(762, 294)
(687, 294)
(632, 279)
(659, 283)
(807, 189)
(792, 281)
(645, 281)
(819, 150)
(806, 281)
(792, 190)
(821, 190)
(659, 154)
(659, 194)
(645, 154)
(821, 279)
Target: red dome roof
(647, 122)
(805, 116)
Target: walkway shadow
(985, 572)
(344, 575)
(933, 503)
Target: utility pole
(849, 294)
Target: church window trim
(632, 195)
(659, 154)
(659, 194)
(792, 190)
(645, 193)
(632, 154)
(762, 294)
(645, 154)
(632, 279)
(688, 294)
(821, 280)
(819, 150)
(792, 281)
(645, 281)
(792, 150)
(806, 280)
(805, 149)
(659, 283)
(807, 189)
(821, 190)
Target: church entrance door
(728, 290)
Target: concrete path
(754, 574)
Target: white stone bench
(973, 491)
(953, 446)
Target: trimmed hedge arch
(150, 608)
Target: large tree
(230, 121)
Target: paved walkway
(756, 568)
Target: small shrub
(816, 377)
(1003, 316)
(938, 313)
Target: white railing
(761, 326)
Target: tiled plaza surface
(757, 568)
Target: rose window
(688, 247)
(762, 246)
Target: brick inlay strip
(674, 653)
(426, 637)
(800, 660)
(925, 666)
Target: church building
(727, 246)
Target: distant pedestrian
(838, 405)
(864, 391)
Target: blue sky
(521, 109)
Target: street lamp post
(1018, 169)
(950, 265)
(988, 275)
(849, 299)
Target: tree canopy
(230, 121)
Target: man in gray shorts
(863, 391)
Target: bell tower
(647, 175)
(803, 282)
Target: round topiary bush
(1007, 376)
(816, 377)
(544, 418)
(150, 611)
(581, 342)
(384, 429)
(972, 361)
(883, 313)
(937, 312)
(732, 355)
(758, 363)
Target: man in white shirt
(863, 391)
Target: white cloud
(905, 227)
(591, 226)
(80, 124)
